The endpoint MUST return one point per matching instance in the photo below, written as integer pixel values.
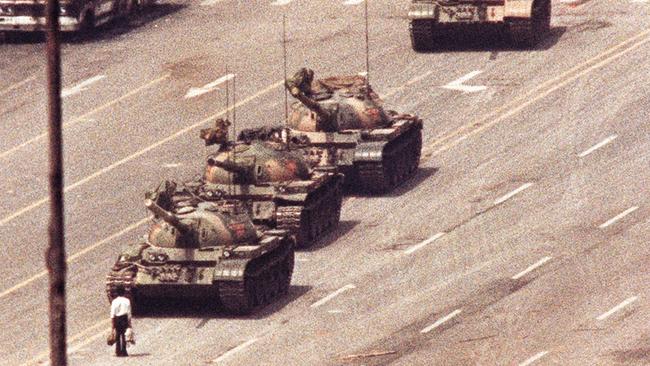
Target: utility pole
(55, 254)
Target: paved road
(521, 240)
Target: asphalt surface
(522, 240)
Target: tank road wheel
(422, 32)
(526, 33)
(286, 271)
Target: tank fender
(518, 8)
(230, 270)
(369, 151)
(422, 9)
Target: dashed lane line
(598, 146)
(235, 350)
(139, 153)
(84, 117)
(508, 196)
(441, 321)
(534, 359)
(331, 296)
(423, 244)
(531, 268)
(617, 308)
(616, 218)
(543, 90)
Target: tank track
(311, 221)
(124, 278)
(400, 161)
(422, 34)
(265, 279)
(527, 33)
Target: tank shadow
(107, 31)
(207, 309)
(343, 228)
(421, 175)
(488, 40)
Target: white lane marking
(210, 2)
(618, 217)
(598, 146)
(332, 295)
(441, 321)
(281, 2)
(508, 196)
(531, 268)
(84, 117)
(231, 352)
(17, 85)
(77, 255)
(459, 86)
(618, 308)
(335, 311)
(81, 86)
(195, 92)
(139, 153)
(172, 165)
(533, 359)
(353, 2)
(423, 244)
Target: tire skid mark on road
(84, 117)
(534, 95)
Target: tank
(210, 251)
(374, 148)
(527, 21)
(279, 186)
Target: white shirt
(120, 306)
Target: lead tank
(374, 148)
(206, 251)
(279, 186)
(527, 21)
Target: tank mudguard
(518, 8)
(230, 270)
(422, 10)
(369, 151)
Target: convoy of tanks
(229, 235)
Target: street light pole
(55, 254)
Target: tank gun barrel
(229, 166)
(299, 94)
(166, 216)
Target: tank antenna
(234, 126)
(227, 96)
(284, 55)
(367, 49)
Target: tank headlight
(64, 10)
(226, 253)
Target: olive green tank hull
(262, 281)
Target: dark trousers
(120, 323)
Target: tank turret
(167, 216)
(334, 104)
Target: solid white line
(533, 359)
(17, 85)
(423, 244)
(618, 217)
(512, 194)
(441, 321)
(531, 268)
(598, 146)
(140, 152)
(618, 308)
(234, 350)
(81, 86)
(332, 295)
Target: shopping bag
(130, 336)
(111, 338)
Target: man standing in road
(121, 317)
